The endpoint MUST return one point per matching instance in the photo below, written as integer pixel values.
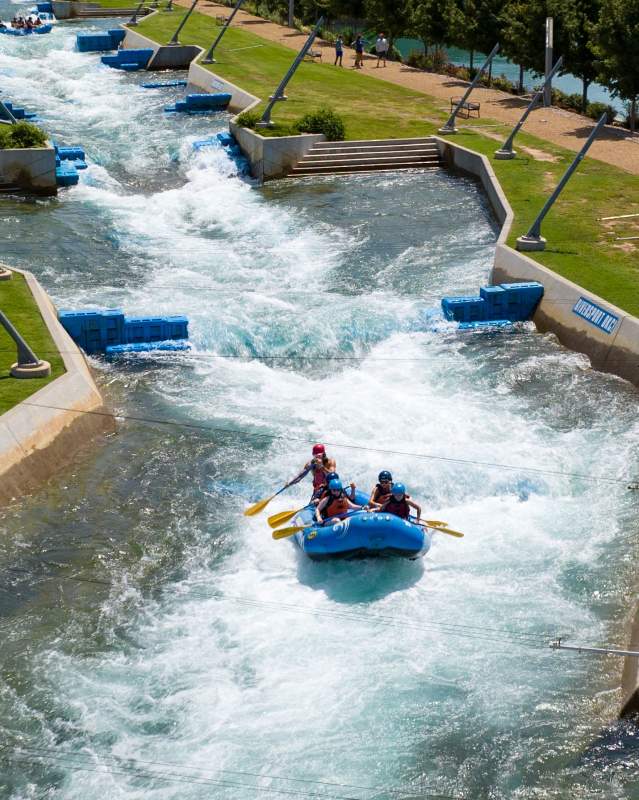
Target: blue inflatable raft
(360, 535)
(26, 31)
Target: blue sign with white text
(595, 315)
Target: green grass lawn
(579, 246)
(17, 302)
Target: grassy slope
(17, 302)
(578, 246)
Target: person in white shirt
(381, 48)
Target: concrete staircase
(331, 158)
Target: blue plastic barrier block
(200, 143)
(176, 327)
(243, 166)
(208, 101)
(145, 347)
(495, 297)
(140, 57)
(117, 36)
(162, 84)
(66, 175)
(522, 299)
(46, 8)
(464, 309)
(94, 42)
(109, 61)
(225, 139)
(73, 153)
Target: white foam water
(218, 662)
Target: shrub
(248, 119)
(595, 110)
(325, 121)
(20, 135)
(439, 59)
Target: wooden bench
(221, 19)
(469, 107)
(312, 55)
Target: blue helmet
(331, 476)
(335, 485)
(384, 475)
(398, 490)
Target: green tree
(524, 33)
(388, 16)
(464, 24)
(574, 22)
(431, 20)
(616, 44)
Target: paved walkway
(564, 128)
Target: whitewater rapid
(196, 657)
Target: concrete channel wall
(47, 430)
(606, 334)
(581, 320)
(273, 157)
(29, 168)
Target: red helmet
(318, 449)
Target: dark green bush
(595, 110)
(325, 121)
(248, 119)
(21, 135)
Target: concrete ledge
(45, 432)
(273, 157)
(29, 168)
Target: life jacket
(336, 506)
(319, 477)
(381, 495)
(399, 508)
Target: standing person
(320, 465)
(359, 52)
(381, 48)
(339, 51)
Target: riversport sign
(595, 315)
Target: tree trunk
(490, 74)
(633, 113)
(521, 80)
(584, 96)
(472, 57)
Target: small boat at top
(361, 534)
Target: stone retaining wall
(46, 431)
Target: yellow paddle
(279, 519)
(284, 532)
(440, 529)
(251, 511)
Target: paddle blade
(282, 533)
(435, 523)
(279, 519)
(449, 532)
(251, 511)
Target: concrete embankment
(46, 431)
(30, 169)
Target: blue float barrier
(201, 103)
(68, 161)
(509, 302)
(44, 8)
(162, 85)
(231, 148)
(108, 330)
(19, 113)
(128, 60)
(99, 42)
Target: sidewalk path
(614, 145)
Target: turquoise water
(158, 644)
(502, 66)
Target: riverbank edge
(615, 352)
(45, 432)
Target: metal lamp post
(506, 150)
(28, 364)
(174, 39)
(208, 58)
(449, 127)
(533, 240)
(265, 122)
